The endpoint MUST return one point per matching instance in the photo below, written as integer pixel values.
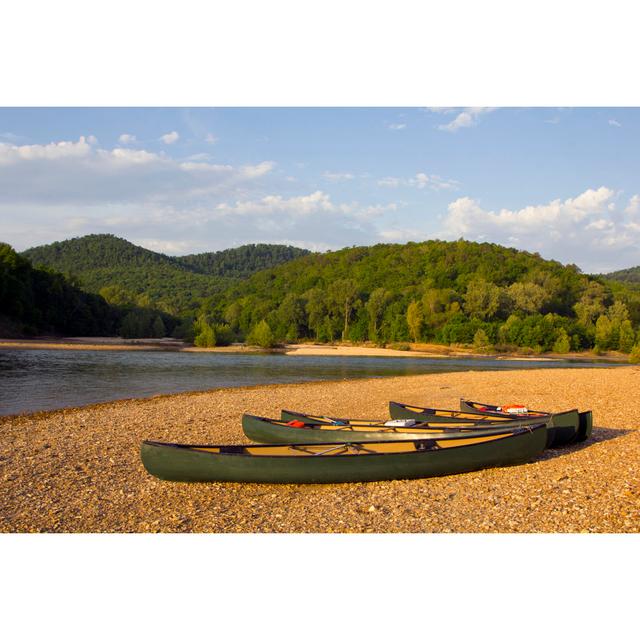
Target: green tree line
(458, 292)
(39, 300)
(447, 292)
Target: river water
(35, 380)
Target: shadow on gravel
(599, 434)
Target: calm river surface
(36, 380)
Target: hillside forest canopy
(460, 292)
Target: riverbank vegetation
(445, 292)
(480, 294)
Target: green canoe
(435, 415)
(557, 433)
(347, 462)
(267, 430)
(570, 426)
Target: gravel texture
(79, 470)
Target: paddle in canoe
(267, 430)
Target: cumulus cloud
(419, 181)
(467, 117)
(583, 229)
(633, 208)
(614, 123)
(397, 126)
(68, 188)
(80, 172)
(126, 138)
(170, 138)
(210, 138)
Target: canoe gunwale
(470, 403)
(270, 431)
(511, 433)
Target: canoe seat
(426, 445)
(232, 448)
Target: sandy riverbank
(303, 349)
(79, 469)
(94, 344)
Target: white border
(319, 586)
(287, 52)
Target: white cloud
(127, 138)
(397, 127)
(210, 139)
(419, 181)
(468, 117)
(583, 230)
(170, 138)
(79, 172)
(337, 176)
(633, 208)
(171, 247)
(69, 188)
(614, 123)
(11, 153)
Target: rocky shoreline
(78, 470)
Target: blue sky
(563, 182)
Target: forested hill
(625, 275)
(444, 291)
(448, 292)
(127, 274)
(242, 261)
(37, 300)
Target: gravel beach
(79, 470)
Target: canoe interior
(463, 416)
(483, 408)
(342, 449)
(364, 426)
(424, 412)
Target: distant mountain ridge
(632, 274)
(97, 251)
(174, 284)
(241, 261)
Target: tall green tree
(603, 333)
(344, 293)
(481, 340)
(591, 304)
(527, 296)
(158, 330)
(482, 299)
(627, 337)
(415, 318)
(316, 310)
(562, 343)
(375, 306)
(262, 336)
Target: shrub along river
(36, 380)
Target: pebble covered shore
(79, 470)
